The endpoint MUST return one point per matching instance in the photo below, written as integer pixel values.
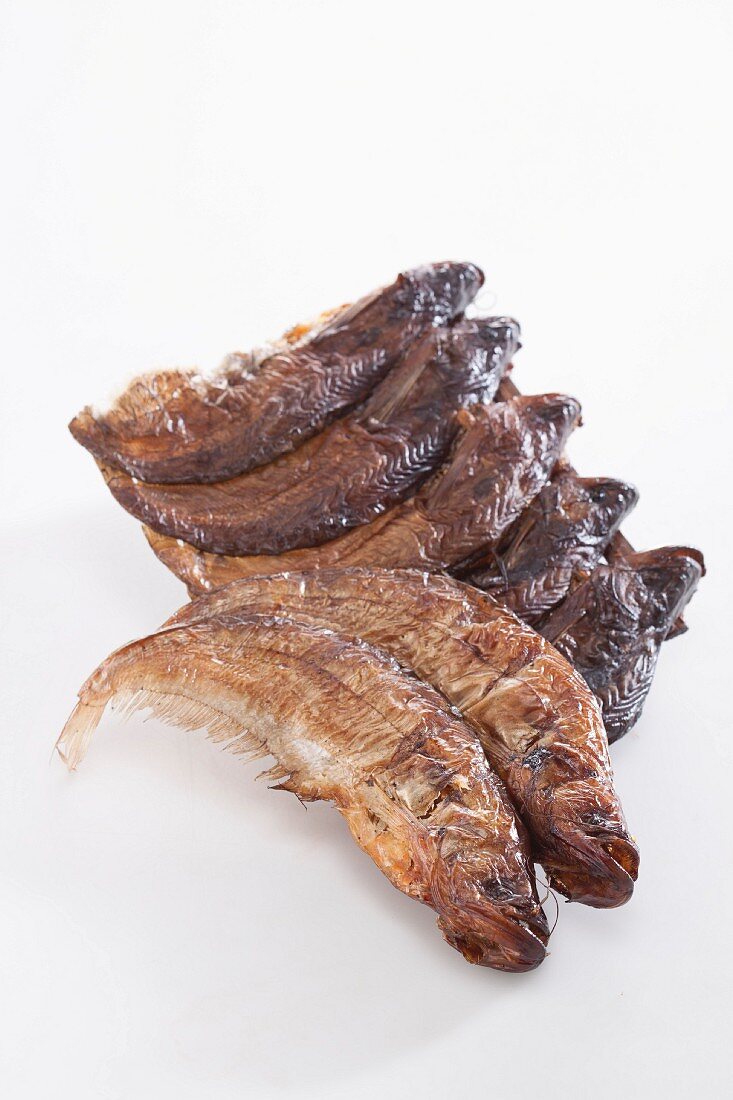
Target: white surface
(183, 179)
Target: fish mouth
(555, 410)
(468, 278)
(603, 870)
(451, 286)
(504, 331)
(615, 498)
(512, 941)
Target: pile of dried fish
(402, 593)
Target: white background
(183, 179)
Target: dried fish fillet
(499, 463)
(351, 472)
(346, 724)
(179, 427)
(612, 626)
(560, 537)
(534, 715)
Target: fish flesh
(560, 538)
(612, 626)
(177, 426)
(351, 472)
(536, 718)
(344, 723)
(501, 459)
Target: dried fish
(346, 724)
(560, 537)
(352, 471)
(612, 626)
(534, 715)
(499, 463)
(176, 426)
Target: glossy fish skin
(352, 471)
(499, 463)
(612, 626)
(175, 426)
(536, 718)
(346, 724)
(560, 537)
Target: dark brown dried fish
(346, 724)
(349, 473)
(560, 537)
(176, 426)
(499, 463)
(535, 717)
(612, 626)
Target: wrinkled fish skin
(176, 426)
(534, 715)
(352, 471)
(499, 463)
(560, 537)
(346, 724)
(612, 626)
